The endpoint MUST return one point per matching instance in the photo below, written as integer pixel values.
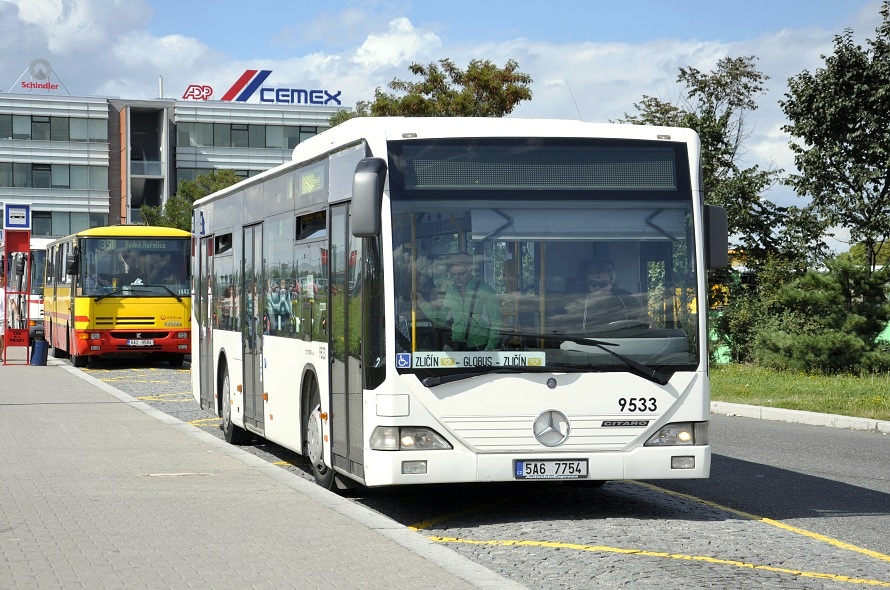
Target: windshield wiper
(168, 289)
(649, 373)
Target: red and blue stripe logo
(246, 85)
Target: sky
(588, 59)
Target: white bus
(27, 277)
(325, 316)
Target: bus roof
(390, 128)
(129, 231)
(378, 130)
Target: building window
(257, 136)
(5, 173)
(58, 129)
(60, 177)
(41, 223)
(291, 137)
(41, 175)
(239, 135)
(5, 126)
(79, 130)
(205, 134)
(274, 136)
(21, 175)
(21, 127)
(186, 134)
(39, 128)
(222, 135)
(98, 130)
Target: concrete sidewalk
(98, 490)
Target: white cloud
(77, 25)
(400, 44)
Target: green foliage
(482, 90)
(715, 106)
(177, 211)
(840, 125)
(825, 321)
(362, 109)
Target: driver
(604, 302)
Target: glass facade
(51, 128)
(242, 135)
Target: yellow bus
(119, 291)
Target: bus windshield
(38, 270)
(134, 267)
(511, 253)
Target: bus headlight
(407, 438)
(680, 434)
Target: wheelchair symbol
(403, 360)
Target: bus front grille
(124, 322)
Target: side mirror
(71, 264)
(716, 237)
(367, 197)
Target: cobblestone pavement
(625, 534)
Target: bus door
(204, 317)
(253, 302)
(345, 335)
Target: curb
(800, 417)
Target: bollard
(39, 352)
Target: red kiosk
(16, 240)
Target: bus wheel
(176, 360)
(78, 360)
(57, 352)
(232, 434)
(312, 431)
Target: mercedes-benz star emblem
(551, 428)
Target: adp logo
(251, 80)
(198, 92)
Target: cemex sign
(252, 80)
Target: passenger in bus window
(605, 305)
(470, 307)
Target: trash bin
(39, 352)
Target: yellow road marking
(202, 421)
(663, 555)
(426, 524)
(771, 522)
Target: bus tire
(176, 360)
(57, 351)
(77, 360)
(313, 439)
(233, 434)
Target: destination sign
(469, 360)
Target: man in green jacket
(470, 307)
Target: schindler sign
(251, 80)
(40, 71)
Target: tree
(826, 321)
(840, 124)
(715, 105)
(482, 90)
(177, 211)
(362, 109)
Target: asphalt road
(787, 506)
